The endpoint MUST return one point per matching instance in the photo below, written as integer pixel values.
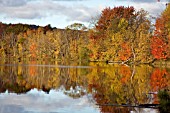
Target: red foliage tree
(110, 17)
(159, 42)
(159, 79)
(159, 48)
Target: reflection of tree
(77, 92)
(126, 73)
(21, 79)
(139, 87)
(108, 84)
(74, 81)
(159, 79)
(32, 69)
(8, 77)
(113, 85)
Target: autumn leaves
(125, 35)
(121, 34)
(161, 39)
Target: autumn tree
(159, 79)
(159, 42)
(101, 37)
(166, 15)
(121, 34)
(77, 41)
(161, 39)
(77, 26)
(2, 41)
(31, 42)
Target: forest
(121, 34)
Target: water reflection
(39, 102)
(34, 88)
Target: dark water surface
(73, 88)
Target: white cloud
(143, 1)
(42, 9)
(54, 12)
(154, 8)
(68, 0)
(37, 101)
(12, 3)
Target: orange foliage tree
(126, 73)
(160, 42)
(110, 16)
(159, 79)
(121, 34)
(101, 45)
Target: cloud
(68, 0)
(143, 1)
(36, 101)
(24, 10)
(13, 3)
(154, 8)
(11, 109)
(80, 13)
(41, 9)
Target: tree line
(30, 42)
(121, 34)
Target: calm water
(67, 88)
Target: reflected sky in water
(45, 88)
(56, 101)
(39, 102)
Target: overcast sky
(36, 101)
(61, 13)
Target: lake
(43, 87)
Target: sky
(61, 13)
(36, 101)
